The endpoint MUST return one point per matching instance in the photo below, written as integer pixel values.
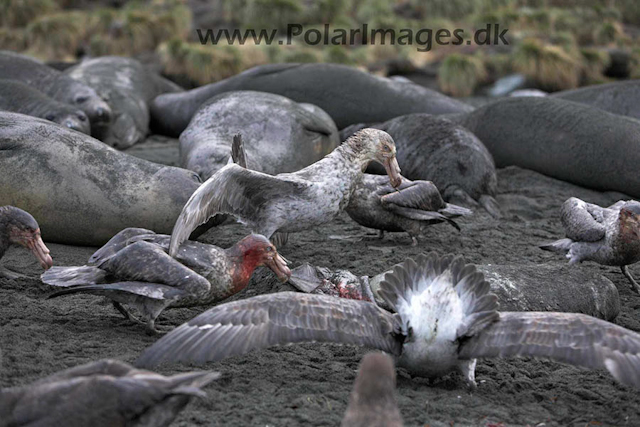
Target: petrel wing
(282, 318)
(582, 221)
(572, 338)
(232, 190)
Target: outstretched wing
(572, 338)
(233, 190)
(582, 221)
(283, 318)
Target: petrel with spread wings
(445, 317)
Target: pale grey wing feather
(277, 319)
(572, 338)
(582, 221)
(155, 291)
(233, 190)
(114, 368)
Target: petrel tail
(73, 276)
(412, 278)
(559, 246)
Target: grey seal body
(345, 93)
(562, 139)
(55, 84)
(435, 149)
(617, 98)
(20, 98)
(280, 135)
(127, 87)
(81, 191)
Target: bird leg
(414, 240)
(468, 370)
(627, 274)
(126, 313)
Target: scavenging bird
(608, 236)
(105, 393)
(412, 207)
(134, 271)
(19, 228)
(373, 402)
(288, 202)
(445, 317)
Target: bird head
(375, 144)
(23, 230)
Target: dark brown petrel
(373, 402)
(106, 393)
(411, 207)
(445, 317)
(133, 268)
(19, 228)
(608, 236)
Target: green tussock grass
(595, 62)
(18, 13)
(608, 32)
(549, 66)
(57, 36)
(459, 75)
(201, 64)
(12, 39)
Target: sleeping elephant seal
(347, 94)
(17, 97)
(81, 191)
(617, 98)
(562, 139)
(432, 148)
(55, 84)
(127, 87)
(280, 135)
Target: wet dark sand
(309, 384)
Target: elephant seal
(280, 135)
(127, 87)
(348, 95)
(617, 98)
(562, 139)
(55, 84)
(432, 148)
(81, 191)
(17, 97)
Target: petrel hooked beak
(393, 170)
(39, 250)
(278, 265)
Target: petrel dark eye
(269, 249)
(387, 148)
(50, 117)
(81, 99)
